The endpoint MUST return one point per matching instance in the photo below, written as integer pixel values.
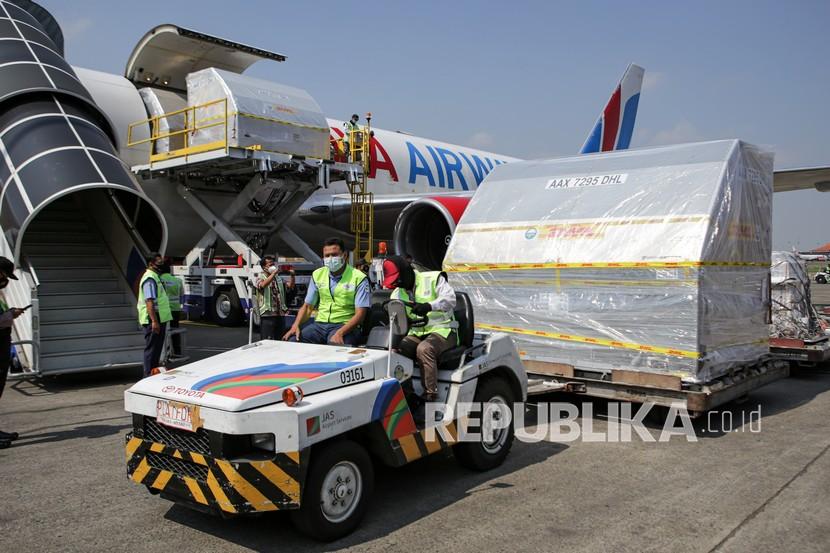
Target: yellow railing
(216, 116)
(362, 201)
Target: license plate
(176, 415)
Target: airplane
(415, 180)
(422, 186)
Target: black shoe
(419, 416)
(5, 444)
(10, 436)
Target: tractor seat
(376, 333)
(450, 359)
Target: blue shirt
(150, 289)
(362, 297)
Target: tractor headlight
(264, 441)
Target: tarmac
(737, 488)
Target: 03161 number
(349, 376)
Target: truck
(275, 426)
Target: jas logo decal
(312, 426)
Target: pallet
(801, 351)
(643, 387)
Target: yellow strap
(477, 267)
(581, 282)
(597, 223)
(592, 341)
(280, 121)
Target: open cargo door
(167, 53)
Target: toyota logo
(168, 389)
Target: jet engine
(424, 228)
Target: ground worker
(434, 299)
(272, 296)
(153, 312)
(174, 288)
(7, 317)
(342, 297)
(348, 127)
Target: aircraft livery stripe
(627, 127)
(612, 122)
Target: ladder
(362, 201)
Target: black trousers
(5, 356)
(176, 339)
(153, 344)
(271, 327)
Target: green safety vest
(340, 307)
(349, 126)
(263, 297)
(162, 302)
(173, 287)
(3, 308)
(439, 322)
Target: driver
(434, 299)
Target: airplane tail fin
(615, 125)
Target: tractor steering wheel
(414, 322)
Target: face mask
(334, 264)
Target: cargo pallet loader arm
(267, 188)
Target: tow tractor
(274, 426)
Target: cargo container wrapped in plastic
(260, 114)
(793, 314)
(158, 103)
(651, 260)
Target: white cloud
(682, 132)
(652, 79)
(75, 27)
(482, 139)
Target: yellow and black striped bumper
(412, 447)
(228, 486)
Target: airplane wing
(805, 178)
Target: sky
(528, 79)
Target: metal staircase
(363, 212)
(87, 311)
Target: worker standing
(7, 317)
(272, 296)
(342, 297)
(434, 299)
(348, 127)
(153, 312)
(174, 288)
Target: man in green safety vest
(348, 127)
(434, 299)
(272, 297)
(7, 317)
(342, 297)
(174, 288)
(153, 312)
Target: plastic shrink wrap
(652, 260)
(260, 114)
(793, 314)
(158, 102)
